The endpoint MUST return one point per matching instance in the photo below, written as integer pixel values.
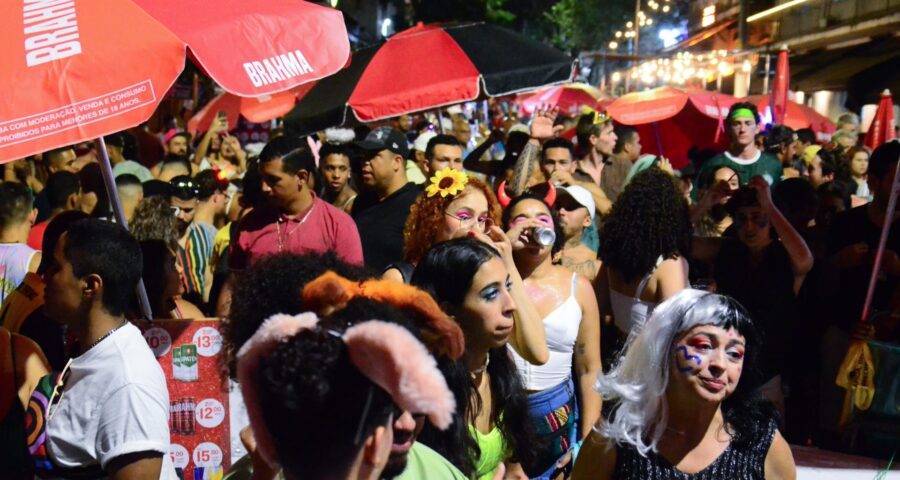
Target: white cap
(421, 142)
(581, 195)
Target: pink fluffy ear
(272, 331)
(393, 359)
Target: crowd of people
(533, 301)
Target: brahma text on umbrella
(51, 31)
(278, 68)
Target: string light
(613, 45)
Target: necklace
(102, 338)
(288, 233)
(481, 369)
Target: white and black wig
(636, 386)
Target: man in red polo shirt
(295, 220)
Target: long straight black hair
(446, 272)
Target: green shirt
(424, 463)
(765, 165)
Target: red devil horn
(551, 194)
(502, 197)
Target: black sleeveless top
(747, 463)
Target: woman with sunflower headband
(454, 205)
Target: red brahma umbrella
(670, 121)
(797, 116)
(882, 128)
(104, 66)
(568, 98)
(430, 66)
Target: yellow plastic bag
(857, 376)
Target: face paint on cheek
(683, 360)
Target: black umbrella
(430, 66)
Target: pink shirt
(323, 227)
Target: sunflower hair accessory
(447, 181)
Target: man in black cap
(380, 210)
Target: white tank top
(561, 327)
(629, 312)
(14, 260)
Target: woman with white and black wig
(683, 407)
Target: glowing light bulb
(613, 45)
(618, 34)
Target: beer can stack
(181, 416)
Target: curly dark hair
(313, 400)
(650, 219)
(154, 220)
(273, 285)
(427, 215)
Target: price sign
(159, 340)
(180, 456)
(210, 413)
(207, 454)
(208, 341)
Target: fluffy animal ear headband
(385, 353)
(331, 292)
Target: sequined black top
(734, 463)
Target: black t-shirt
(380, 224)
(848, 228)
(766, 291)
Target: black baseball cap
(385, 138)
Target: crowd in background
(515, 263)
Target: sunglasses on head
(184, 189)
(601, 118)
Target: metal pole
(440, 119)
(637, 30)
(765, 89)
(742, 25)
(111, 190)
(882, 242)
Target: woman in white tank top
(571, 321)
(642, 246)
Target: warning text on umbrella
(77, 114)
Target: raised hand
(542, 124)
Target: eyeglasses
(468, 222)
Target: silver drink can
(544, 236)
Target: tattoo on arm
(523, 169)
(588, 268)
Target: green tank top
(13, 446)
(493, 451)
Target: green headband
(743, 113)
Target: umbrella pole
(111, 190)
(440, 119)
(658, 140)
